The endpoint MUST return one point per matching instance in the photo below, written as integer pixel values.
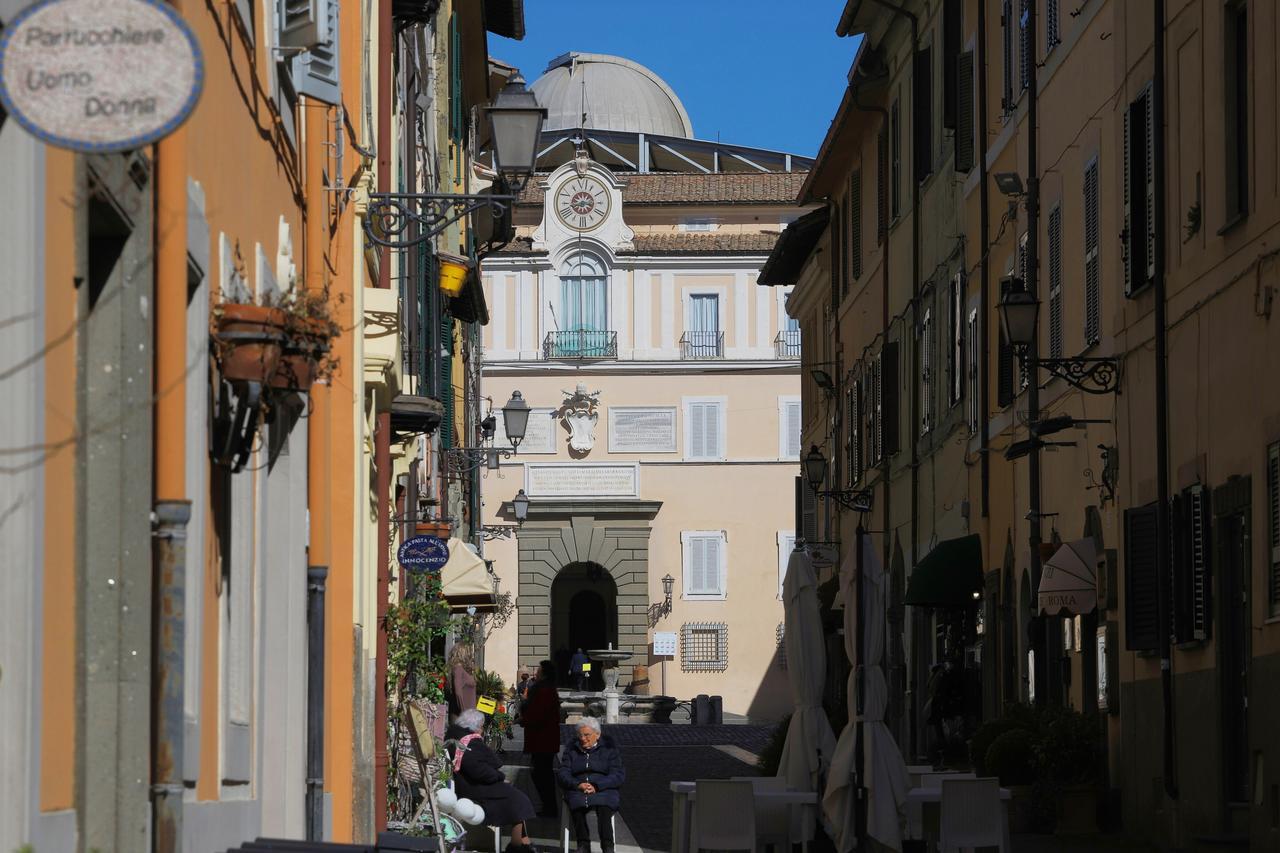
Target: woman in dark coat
(478, 776)
(540, 717)
(591, 775)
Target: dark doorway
(584, 615)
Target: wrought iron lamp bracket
(390, 216)
(1090, 375)
(461, 460)
(855, 500)
(498, 531)
(657, 611)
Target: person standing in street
(462, 679)
(578, 670)
(540, 717)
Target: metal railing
(701, 345)
(585, 343)
(787, 344)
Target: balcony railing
(787, 344)
(586, 343)
(702, 345)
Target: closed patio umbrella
(810, 741)
(885, 771)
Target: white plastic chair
(566, 825)
(915, 812)
(971, 815)
(724, 816)
(773, 820)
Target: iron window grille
(704, 647)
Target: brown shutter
(964, 141)
(889, 379)
(1140, 575)
(922, 113)
(952, 10)
(855, 224)
(882, 184)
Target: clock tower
(582, 201)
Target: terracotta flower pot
(306, 344)
(251, 339)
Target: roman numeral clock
(582, 203)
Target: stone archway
(584, 614)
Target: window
(1052, 24)
(1235, 53)
(837, 253)
(704, 647)
(853, 441)
(952, 11)
(317, 71)
(698, 224)
(1189, 523)
(887, 401)
(1055, 282)
(922, 114)
(1273, 513)
(846, 245)
(789, 427)
(1026, 44)
(882, 183)
(786, 544)
(926, 372)
(1092, 265)
(704, 428)
(806, 511)
(955, 337)
(1024, 375)
(971, 346)
(635, 429)
(1139, 195)
(964, 141)
(583, 288)
(855, 226)
(703, 563)
(702, 337)
(895, 161)
(1141, 588)
(1006, 47)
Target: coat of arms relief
(580, 415)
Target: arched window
(584, 307)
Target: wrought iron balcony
(702, 345)
(584, 344)
(787, 344)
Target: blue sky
(762, 73)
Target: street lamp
(515, 417)
(1019, 314)
(401, 220)
(815, 472)
(1019, 318)
(657, 611)
(520, 506)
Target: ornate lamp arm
(390, 215)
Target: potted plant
(1011, 757)
(248, 341)
(309, 330)
(1069, 762)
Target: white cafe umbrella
(1069, 581)
(810, 741)
(885, 771)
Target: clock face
(582, 203)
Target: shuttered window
(889, 399)
(875, 409)
(846, 247)
(1139, 194)
(786, 544)
(853, 441)
(882, 183)
(926, 372)
(1007, 24)
(789, 427)
(922, 114)
(1055, 282)
(1141, 582)
(971, 347)
(1052, 24)
(955, 337)
(1026, 44)
(1235, 52)
(855, 225)
(704, 563)
(837, 254)
(1273, 513)
(1024, 375)
(1092, 263)
(952, 12)
(304, 23)
(704, 429)
(1190, 527)
(317, 71)
(895, 160)
(964, 141)
(806, 511)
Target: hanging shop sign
(99, 75)
(423, 554)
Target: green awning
(949, 575)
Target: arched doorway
(584, 615)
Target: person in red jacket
(540, 717)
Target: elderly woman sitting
(591, 775)
(477, 775)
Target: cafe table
(683, 795)
(929, 800)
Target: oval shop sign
(99, 75)
(423, 554)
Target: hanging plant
(248, 341)
(310, 329)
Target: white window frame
(723, 403)
(722, 304)
(614, 410)
(783, 402)
(786, 544)
(686, 541)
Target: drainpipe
(915, 376)
(316, 576)
(984, 237)
(1162, 411)
(172, 509)
(169, 555)
(382, 443)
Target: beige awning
(1069, 581)
(465, 578)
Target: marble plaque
(637, 430)
(563, 481)
(539, 435)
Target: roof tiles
(699, 188)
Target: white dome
(615, 94)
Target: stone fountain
(609, 659)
